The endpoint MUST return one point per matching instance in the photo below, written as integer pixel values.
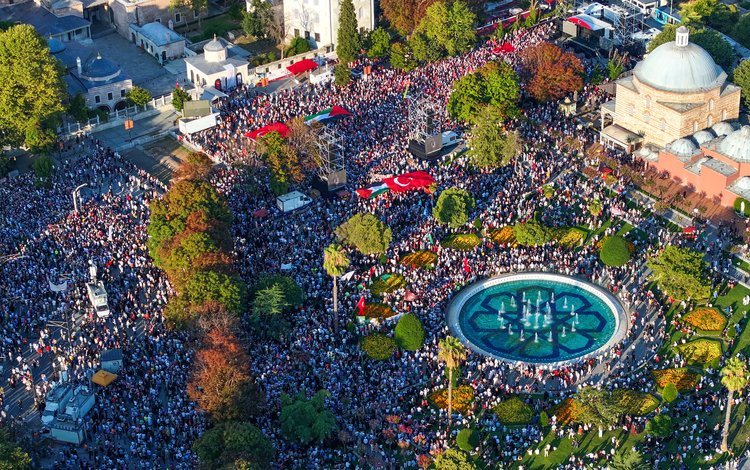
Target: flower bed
(504, 236)
(419, 259)
(700, 351)
(377, 346)
(567, 412)
(463, 398)
(628, 402)
(682, 378)
(513, 411)
(387, 284)
(706, 319)
(378, 310)
(634, 402)
(570, 237)
(461, 241)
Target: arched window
(631, 109)
(646, 118)
(663, 125)
(709, 121)
(695, 126)
(647, 102)
(710, 105)
(723, 114)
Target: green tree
(659, 426)
(77, 108)
(708, 39)
(348, 41)
(294, 296)
(380, 44)
(212, 286)
(298, 45)
(138, 96)
(452, 353)
(424, 49)
(39, 138)
(12, 456)
(335, 262)
(307, 420)
(543, 419)
(742, 79)
(467, 440)
(603, 411)
(670, 393)
(709, 12)
(31, 87)
(378, 346)
(229, 442)
(489, 146)
(734, 378)
(615, 251)
(43, 168)
(368, 234)
(401, 57)
(450, 26)
(531, 233)
(681, 273)
(258, 20)
(266, 316)
(494, 84)
(454, 459)
(409, 332)
(179, 97)
(453, 207)
(342, 74)
(628, 459)
(467, 98)
(742, 30)
(595, 207)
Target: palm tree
(335, 262)
(734, 378)
(452, 353)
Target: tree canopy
(450, 26)
(531, 233)
(31, 89)
(228, 443)
(379, 44)
(681, 273)
(409, 332)
(307, 420)
(550, 72)
(348, 41)
(710, 40)
(711, 13)
(258, 21)
(489, 145)
(742, 79)
(405, 15)
(367, 233)
(615, 251)
(453, 207)
(454, 459)
(494, 84)
(138, 96)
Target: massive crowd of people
(145, 420)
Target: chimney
(78, 65)
(170, 25)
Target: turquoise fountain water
(538, 318)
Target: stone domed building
(217, 68)
(101, 82)
(676, 110)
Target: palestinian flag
(375, 189)
(326, 115)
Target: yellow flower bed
(463, 398)
(419, 259)
(387, 284)
(700, 351)
(377, 310)
(706, 319)
(569, 411)
(504, 235)
(682, 378)
(570, 237)
(461, 241)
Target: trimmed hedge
(378, 346)
(409, 333)
(467, 440)
(614, 251)
(513, 411)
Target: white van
(98, 298)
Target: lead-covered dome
(682, 147)
(722, 128)
(99, 69)
(703, 136)
(680, 66)
(737, 145)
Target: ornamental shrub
(532, 233)
(669, 394)
(378, 346)
(614, 251)
(543, 419)
(467, 440)
(660, 426)
(513, 411)
(409, 333)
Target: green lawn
(218, 25)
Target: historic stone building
(676, 91)
(678, 111)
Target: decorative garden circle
(538, 318)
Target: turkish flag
(409, 181)
(361, 306)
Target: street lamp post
(75, 194)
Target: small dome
(737, 145)
(682, 147)
(213, 46)
(743, 183)
(99, 69)
(680, 66)
(703, 136)
(722, 128)
(55, 45)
